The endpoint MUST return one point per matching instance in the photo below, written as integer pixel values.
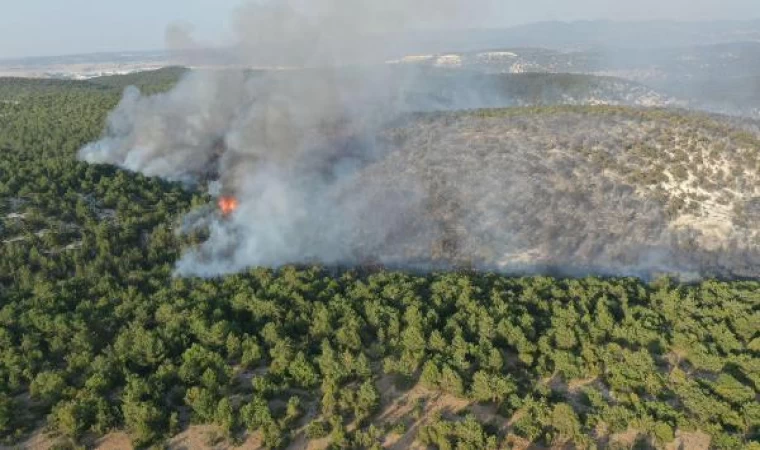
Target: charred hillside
(615, 189)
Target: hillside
(719, 78)
(728, 94)
(611, 188)
(449, 89)
(669, 64)
(102, 346)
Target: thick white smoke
(287, 145)
(311, 154)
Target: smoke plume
(330, 165)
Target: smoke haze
(291, 145)
(322, 176)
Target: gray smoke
(330, 165)
(288, 145)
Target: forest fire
(228, 205)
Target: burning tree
(228, 205)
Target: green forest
(97, 336)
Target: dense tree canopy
(96, 335)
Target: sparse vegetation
(569, 186)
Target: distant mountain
(590, 35)
(564, 36)
(706, 65)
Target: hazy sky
(55, 27)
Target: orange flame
(228, 205)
